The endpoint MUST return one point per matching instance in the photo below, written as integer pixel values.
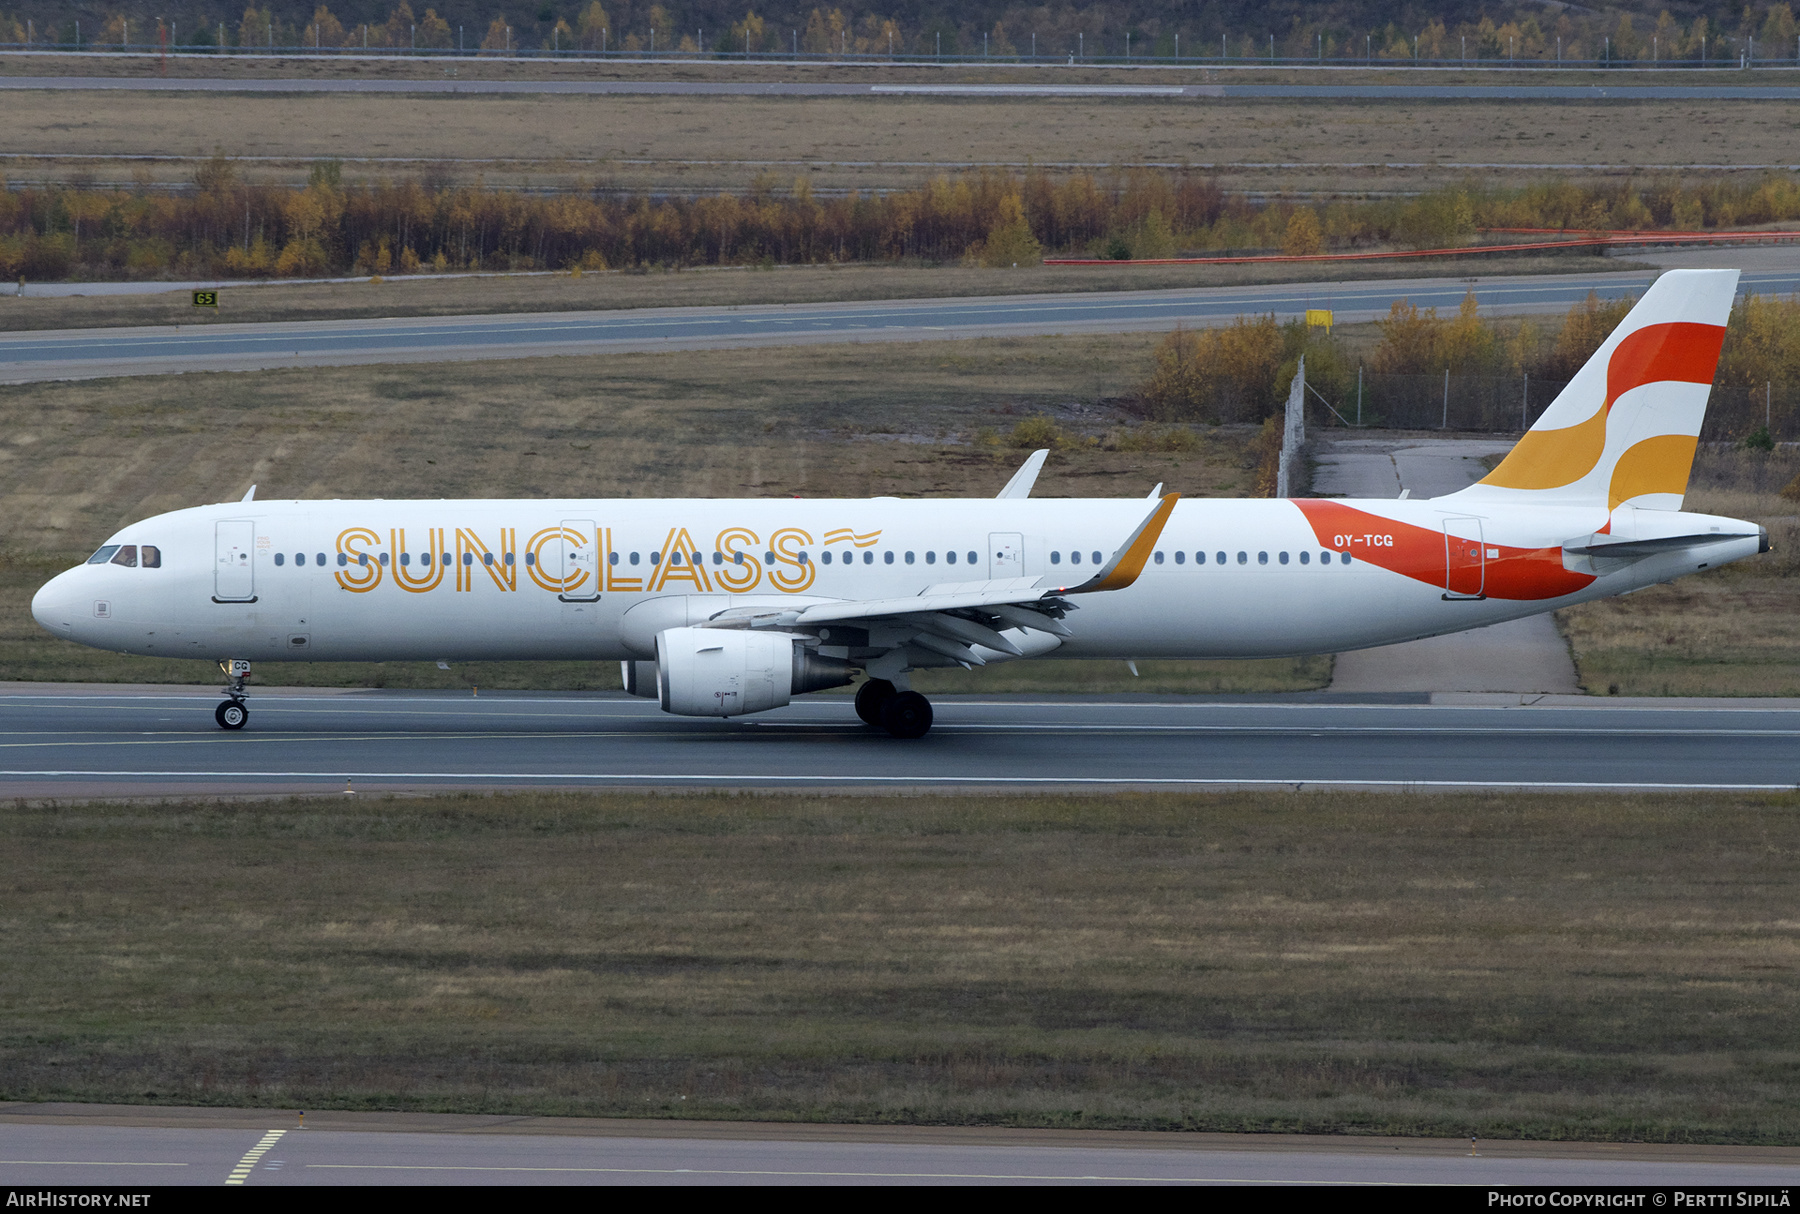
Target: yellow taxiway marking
(248, 1162)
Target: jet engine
(727, 672)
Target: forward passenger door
(234, 561)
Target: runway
(147, 1146)
(93, 353)
(101, 742)
(1036, 90)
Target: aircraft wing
(953, 619)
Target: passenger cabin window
(1159, 558)
(1074, 558)
(1243, 558)
(1096, 557)
(949, 558)
(104, 555)
(909, 558)
(1283, 558)
(1218, 558)
(1056, 558)
(1305, 557)
(152, 558)
(869, 558)
(1262, 558)
(887, 558)
(319, 559)
(1181, 558)
(280, 558)
(971, 558)
(931, 558)
(299, 558)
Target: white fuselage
(593, 580)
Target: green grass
(1511, 966)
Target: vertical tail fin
(1626, 427)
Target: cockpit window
(151, 557)
(126, 556)
(104, 555)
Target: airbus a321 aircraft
(719, 608)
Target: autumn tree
(434, 32)
(397, 31)
(825, 32)
(1009, 242)
(256, 28)
(593, 30)
(1304, 237)
(323, 30)
(748, 34)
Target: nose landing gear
(233, 713)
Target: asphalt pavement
(149, 1146)
(93, 353)
(115, 742)
(1048, 87)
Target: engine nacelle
(728, 672)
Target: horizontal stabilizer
(1611, 546)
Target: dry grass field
(78, 460)
(717, 287)
(1509, 966)
(700, 142)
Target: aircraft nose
(53, 605)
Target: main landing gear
(905, 714)
(233, 713)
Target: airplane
(722, 608)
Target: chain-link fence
(1512, 403)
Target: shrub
(1226, 374)
(1040, 430)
